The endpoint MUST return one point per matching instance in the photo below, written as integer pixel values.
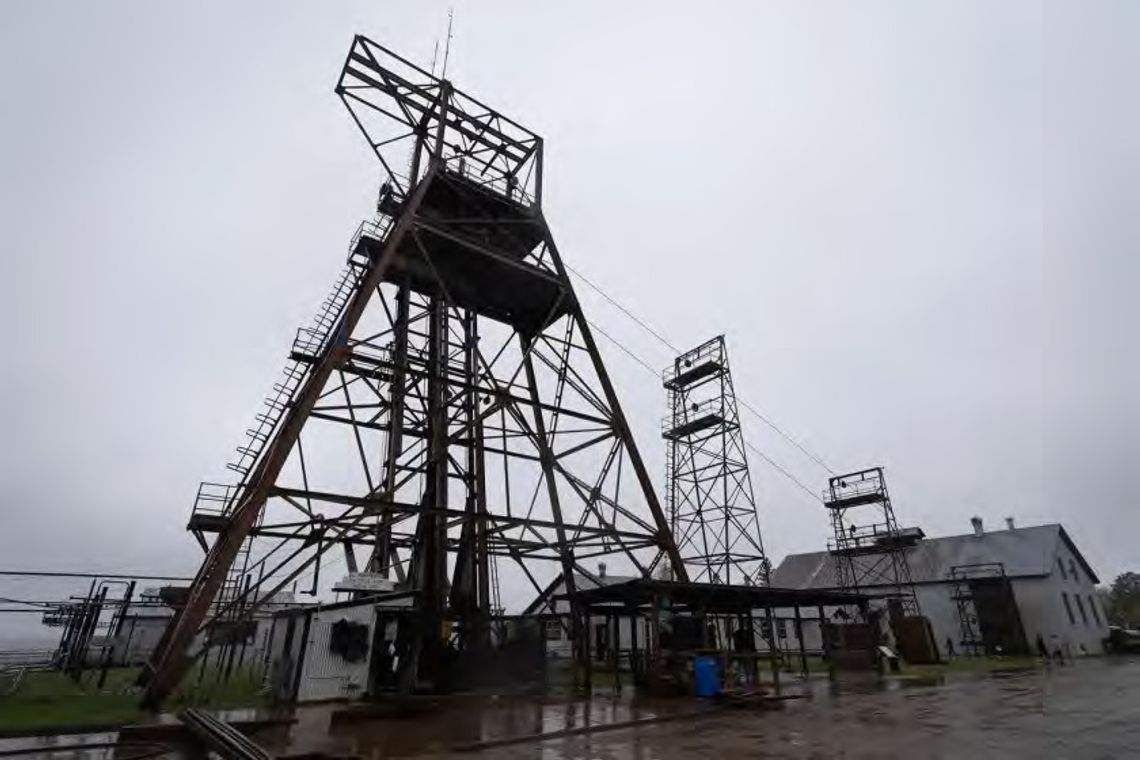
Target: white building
(558, 644)
(306, 660)
(145, 620)
(1051, 584)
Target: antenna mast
(447, 43)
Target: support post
(823, 635)
(800, 639)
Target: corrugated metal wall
(327, 675)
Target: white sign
(365, 582)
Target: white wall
(138, 639)
(326, 675)
(789, 644)
(937, 603)
(561, 647)
(1040, 605)
(1043, 613)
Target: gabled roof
(1025, 552)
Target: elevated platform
(853, 500)
(205, 522)
(872, 542)
(855, 489)
(705, 361)
(477, 241)
(690, 375)
(492, 219)
(692, 426)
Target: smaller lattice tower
(869, 548)
(711, 506)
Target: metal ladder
(214, 501)
(308, 345)
(670, 496)
(309, 342)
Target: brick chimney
(977, 523)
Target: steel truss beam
(474, 414)
(712, 508)
(868, 548)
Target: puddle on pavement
(1091, 709)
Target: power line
(775, 465)
(665, 342)
(628, 353)
(624, 310)
(785, 436)
(784, 472)
(5, 600)
(104, 576)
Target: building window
(1068, 608)
(1092, 606)
(782, 628)
(1061, 567)
(1073, 569)
(553, 630)
(1081, 609)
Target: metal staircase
(215, 500)
(670, 486)
(309, 343)
(964, 581)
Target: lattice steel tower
(451, 399)
(871, 554)
(712, 509)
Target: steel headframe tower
(451, 399)
(870, 556)
(712, 509)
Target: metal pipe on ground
(221, 737)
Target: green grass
(51, 699)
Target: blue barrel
(706, 670)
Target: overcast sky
(916, 223)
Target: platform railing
(693, 411)
(852, 490)
(214, 498)
(492, 178)
(862, 537)
(376, 228)
(308, 344)
(709, 351)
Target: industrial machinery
(447, 409)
